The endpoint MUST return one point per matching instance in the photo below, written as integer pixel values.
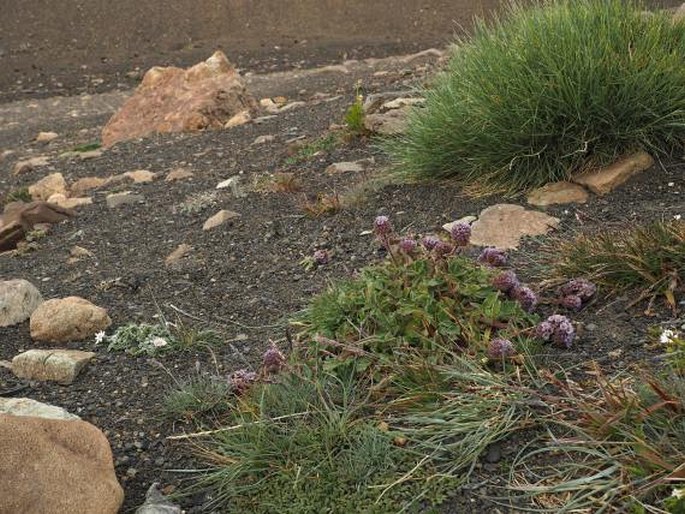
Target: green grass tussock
(547, 91)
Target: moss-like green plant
(545, 91)
(149, 339)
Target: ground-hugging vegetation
(545, 92)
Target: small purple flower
(500, 349)
(461, 233)
(430, 242)
(572, 302)
(321, 257)
(273, 359)
(492, 257)
(407, 245)
(526, 297)
(579, 287)
(241, 380)
(442, 248)
(558, 329)
(381, 226)
(505, 281)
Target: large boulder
(56, 466)
(204, 96)
(18, 299)
(67, 319)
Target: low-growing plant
(546, 91)
(354, 116)
(18, 195)
(197, 398)
(324, 144)
(649, 259)
(198, 202)
(87, 147)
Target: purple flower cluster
(506, 281)
(492, 257)
(525, 297)
(430, 242)
(241, 380)
(408, 245)
(382, 226)
(500, 349)
(273, 359)
(461, 234)
(321, 257)
(557, 329)
(576, 292)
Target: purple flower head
(407, 245)
(241, 380)
(505, 281)
(572, 302)
(580, 287)
(321, 257)
(558, 329)
(430, 242)
(526, 298)
(442, 248)
(273, 359)
(492, 257)
(500, 349)
(381, 226)
(461, 233)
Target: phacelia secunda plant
(408, 245)
(575, 293)
(461, 234)
(505, 281)
(241, 380)
(321, 257)
(500, 349)
(382, 227)
(492, 257)
(557, 329)
(273, 359)
(526, 297)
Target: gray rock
(157, 503)
(33, 408)
(115, 200)
(18, 299)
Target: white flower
(679, 494)
(667, 336)
(100, 336)
(159, 342)
(677, 217)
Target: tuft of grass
(649, 259)
(354, 116)
(324, 144)
(200, 397)
(18, 195)
(618, 446)
(546, 91)
(87, 147)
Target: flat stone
(90, 154)
(398, 103)
(234, 184)
(46, 137)
(344, 167)
(181, 251)
(557, 193)
(219, 218)
(140, 176)
(157, 503)
(18, 299)
(30, 164)
(47, 186)
(88, 183)
(33, 408)
(604, 180)
(239, 119)
(61, 366)
(503, 226)
(69, 203)
(260, 140)
(115, 200)
(179, 174)
(390, 123)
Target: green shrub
(547, 91)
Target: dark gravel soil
(243, 279)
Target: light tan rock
(86, 184)
(389, 123)
(140, 176)
(557, 193)
(78, 253)
(267, 138)
(174, 100)
(33, 408)
(181, 251)
(503, 226)
(239, 119)
(115, 200)
(18, 218)
(219, 218)
(48, 186)
(179, 174)
(30, 164)
(344, 167)
(61, 366)
(90, 154)
(53, 466)
(604, 180)
(46, 137)
(67, 319)
(18, 299)
(69, 203)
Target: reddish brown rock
(19, 218)
(170, 99)
(56, 466)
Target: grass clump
(197, 398)
(649, 259)
(18, 195)
(354, 116)
(547, 91)
(305, 152)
